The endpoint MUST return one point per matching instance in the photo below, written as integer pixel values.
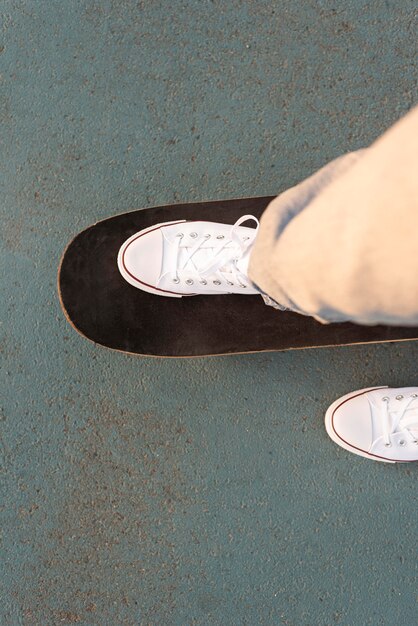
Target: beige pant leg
(343, 245)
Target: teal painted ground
(150, 492)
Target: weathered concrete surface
(191, 492)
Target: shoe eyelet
(180, 235)
(402, 442)
(220, 236)
(203, 282)
(385, 399)
(207, 236)
(388, 445)
(400, 397)
(217, 282)
(176, 280)
(189, 281)
(229, 283)
(243, 286)
(414, 395)
(193, 235)
(245, 238)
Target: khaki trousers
(343, 244)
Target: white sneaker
(379, 423)
(185, 258)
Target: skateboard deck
(106, 309)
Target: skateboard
(106, 309)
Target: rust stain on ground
(125, 485)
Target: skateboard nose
(141, 257)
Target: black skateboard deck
(106, 309)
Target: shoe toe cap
(352, 422)
(140, 258)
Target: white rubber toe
(341, 435)
(140, 259)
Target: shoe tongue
(410, 420)
(243, 263)
(203, 256)
(200, 258)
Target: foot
(185, 258)
(379, 423)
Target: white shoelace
(223, 262)
(398, 421)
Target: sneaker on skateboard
(103, 300)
